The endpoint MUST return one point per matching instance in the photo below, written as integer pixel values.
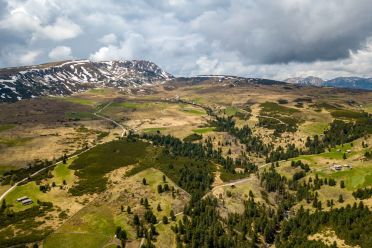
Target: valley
(190, 161)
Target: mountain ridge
(338, 82)
(68, 77)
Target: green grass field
(204, 130)
(5, 127)
(93, 226)
(30, 190)
(333, 154)
(314, 128)
(154, 177)
(154, 129)
(230, 111)
(348, 114)
(16, 141)
(166, 237)
(130, 105)
(368, 108)
(192, 110)
(355, 178)
(62, 172)
(103, 91)
(78, 100)
(274, 108)
(79, 115)
(4, 168)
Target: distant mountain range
(68, 77)
(340, 82)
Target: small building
(337, 167)
(22, 198)
(348, 151)
(27, 201)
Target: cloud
(274, 39)
(19, 57)
(108, 39)
(61, 29)
(60, 53)
(29, 57)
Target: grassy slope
(94, 164)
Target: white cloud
(61, 29)
(130, 48)
(60, 53)
(29, 57)
(274, 39)
(108, 39)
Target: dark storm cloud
(246, 37)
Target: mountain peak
(310, 80)
(67, 77)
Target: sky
(251, 38)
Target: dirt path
(270, 117)
(74, 156)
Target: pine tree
(136, 220)
(342, 184)
(165, 219)
(173, 217)
(340, 198)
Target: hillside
(339, 82)
(66, 78)
(248, 161)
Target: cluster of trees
(341, 132)
(197, 178)
(121, 234)
(9, 217)
(278, 125)
(351, 224)
(281, 153)
(12, 176)
(299, 163)
(202, 226)
(338, 133)
(162, 188)
(244, 135)
(363, 193)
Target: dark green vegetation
(279, 117)
(193, 137)
(352, 224)
(24, 222)
(196, 174)
(5, 127)
(78, 116)
(363, 193)
(13, 176)
(253, 143)
(92, 166)
(205, 228)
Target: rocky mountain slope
(305, 81)
(350, 82)
(65, 78)
(340, 82)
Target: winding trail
(270, 117)
(230, 183)
(74, 156)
